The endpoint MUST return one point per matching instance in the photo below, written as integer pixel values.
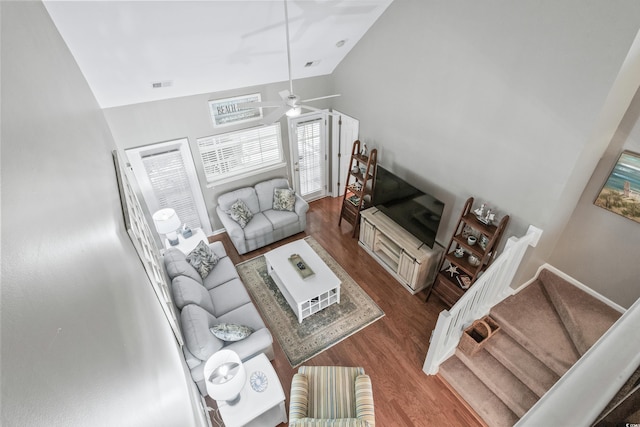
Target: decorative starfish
(452, 270)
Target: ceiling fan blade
(321, 97)
(275, 115)
(310, 108)
(260, 104)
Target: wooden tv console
(410, 261)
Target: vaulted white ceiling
(191, 47)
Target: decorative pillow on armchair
(240, 213)
(203, 259)
(284, 199)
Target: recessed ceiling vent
(312, 63)
(166, 83)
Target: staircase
(545, 329)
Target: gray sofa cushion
(177, 265)
(197, 336)
(264, 191)
(228, 296)
(224, 271)
(280, 219)
(187, 291)
(247, 195)
(258, 227)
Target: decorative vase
(474, 260)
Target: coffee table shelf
(305, 296)
(320, 302)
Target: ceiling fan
(289, 104)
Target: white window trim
(134, 156)
(213, 180)
(249, 174)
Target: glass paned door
(308, 153)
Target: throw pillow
(203, 259)
(240, 213)
(231, 332)
(284, 199)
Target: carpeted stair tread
(531, 320)
(486, 404)
(585, 317)
(504, 384)
(524, 365)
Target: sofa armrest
(364, 400)
(233, 228)
(299, 398)
(199, 340)
(301, 207)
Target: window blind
(170, 183)
(240, 152)
(309, 152)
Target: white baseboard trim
(574, 282)
(219, 231)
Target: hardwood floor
(391, 350)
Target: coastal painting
(621, 193)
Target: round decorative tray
(258, 381)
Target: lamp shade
(225, 376)
(166, 220)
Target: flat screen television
(414, 210)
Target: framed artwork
(225, 112)
(620, 194)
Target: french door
(345, 130)
(308, 146)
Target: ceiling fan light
(293, 112)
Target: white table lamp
(225, 376)
(167, 222)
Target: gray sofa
(203, 303)
(267, 225)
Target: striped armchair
(331, 396)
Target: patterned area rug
(318, 332)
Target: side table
(263, 408)
(190, 243)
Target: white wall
(189, 117)
(84, 340)
(598, 246)
(498, 100)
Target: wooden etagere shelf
(358, 186)
(456, 272)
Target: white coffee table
(305, 296)
(257, 408)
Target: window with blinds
(168, 177)
(240, 152)
(310, 156)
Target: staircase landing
(545, 329)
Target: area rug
(302, 341)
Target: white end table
(256, 408)
(190, 243)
